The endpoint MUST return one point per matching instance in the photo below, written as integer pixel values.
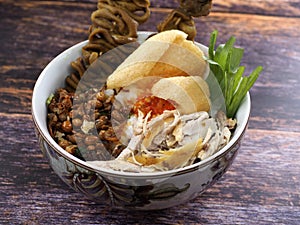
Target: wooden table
(261, 187)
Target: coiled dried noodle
(136, 9)
(178, 19)
(182, 17)
(114, 23)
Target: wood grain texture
(261, 187)
(290, 8)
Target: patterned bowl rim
(243, 112)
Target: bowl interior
(52, 77)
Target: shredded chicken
(170, 141)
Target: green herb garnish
(225, 64)
(49, 99)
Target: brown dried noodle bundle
(73, 79)
(178, 19)
(111, 27)
(182, 17)
(114, 23)
(136, 9)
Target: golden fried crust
(166, 54)
(191, 94)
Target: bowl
(125, 190)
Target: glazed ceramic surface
(141, 191)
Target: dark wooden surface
(261, 187)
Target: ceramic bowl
(140, 191)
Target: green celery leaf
(222, 52)
(236, 57)
(253, 76)
(225, 64)
(211, 49)
(238, 77)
